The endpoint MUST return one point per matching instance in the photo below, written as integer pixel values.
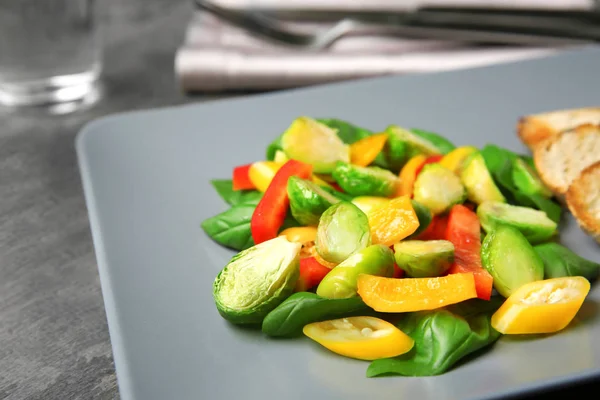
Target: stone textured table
(54, 341)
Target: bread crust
(576, 196)
(547, 175)
(535, 129)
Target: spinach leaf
(231, 228)
(273, 147)
(302, 308)
(444, 145)
(559, 261)
(500, 162)
(552, 209)
(346, 131)
(233, 197)
(442, 337)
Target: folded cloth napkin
(217, 56)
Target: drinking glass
(49, 51)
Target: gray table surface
(54, 341)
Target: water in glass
(49, 50)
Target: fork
(478, 32)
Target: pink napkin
(216, 56)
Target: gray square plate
(146, 179)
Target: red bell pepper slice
(241, 179)
(398, 272)
(429, 160)
(436, 229)
(464, 231)
(272, 208)
(312, 273)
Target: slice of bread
(561, 158)
(583, 200)
(533, 129)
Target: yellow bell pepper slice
(455, 158)
(415, 294)
(261, 173)
(545, 306)
(364, 151)
(408, 175)
(369, 203)
(363, 338)
(300, 234)
(393, 222)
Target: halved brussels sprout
(424, 258)
(478, 181)
(438, 188)
(343, 230)
(510, 259)
(314, 143)
(527, 180)
(341, 281)
(534, 224)
(365, 181)
(403, 144)
(308, 201)
(423, 215)
(257, 280)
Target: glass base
(58, 89)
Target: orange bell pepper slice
(415, 294)
(464, 231)
(545, 306)
(408, 175)
(364, 151)
(393, 222)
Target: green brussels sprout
(527, 180)
(257, 280)
(438, 188)
(343, 230)
(341, 281)
(477, 180)
(533, 224)
(365, 181)
(423, 215)
(422, 259)
(308, 201)
(314, 143)
(403, 144)
(510, 259)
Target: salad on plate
(395, 247)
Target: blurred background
(64, 63)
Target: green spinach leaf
(346, 131)
(442, 337)
(444, 145)
(231, 228)
(302, 308)
(559, 261)
(233, 197)
(499, 162)
(273, 147)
